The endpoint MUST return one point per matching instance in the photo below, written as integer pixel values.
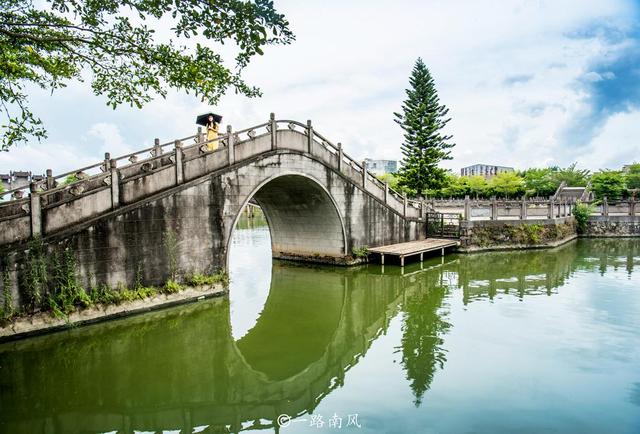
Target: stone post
(605, 207)
(340, 157)
(551, 212)
(36, 210)
(364, 175)
(632, 206)
(309, 136)
(115, 184)
(467, 208)
(231, 146)
(51, 183)
(179, 167)
(157, 150)
(523, 208)
(105, 165)
(199, 136)
(274, 131)
(559, 207)
(386, 192)
(494, 208)
(404, 204)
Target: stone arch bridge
(117, 216)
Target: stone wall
(515, 234)
(613, 226)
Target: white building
(485, 170)
(380, 167)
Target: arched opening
(281, 319)
(303, 220)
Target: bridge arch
(303, 217)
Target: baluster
(179, 168)
(467, 208)
(36, 210)
(274, 126)
(115, 184)
(364, 175)
(230, 146)
(157, 150)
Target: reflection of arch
(297, 325)
(302, 215)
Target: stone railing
(58, 202)
(529, 208)
(504, 209)
(605, 208)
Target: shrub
(360, 252)
(171, 287)
(581, 212)
(70, 179)
(533, 233)
(203, 279)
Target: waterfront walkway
(412, 248)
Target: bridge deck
(414, 248)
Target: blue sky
(528, 83)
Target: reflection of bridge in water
(181, 368)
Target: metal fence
(443, 225)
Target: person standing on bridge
(212, 133)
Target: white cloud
(617, 143)
(109, 135)
(348, 69)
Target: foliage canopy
(633, 176)
(609, 184)
(545, 181)
(121, 43)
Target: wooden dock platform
(412, 248)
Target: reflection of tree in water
(424, 325)
(605, 253)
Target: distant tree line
(533, 182)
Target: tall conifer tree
(425, 145)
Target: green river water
(515, 342)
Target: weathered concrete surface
(613, 226)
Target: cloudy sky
(528, 83)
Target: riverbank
(493, 235)
(507, 247)
(43, 322)
(613, 226)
